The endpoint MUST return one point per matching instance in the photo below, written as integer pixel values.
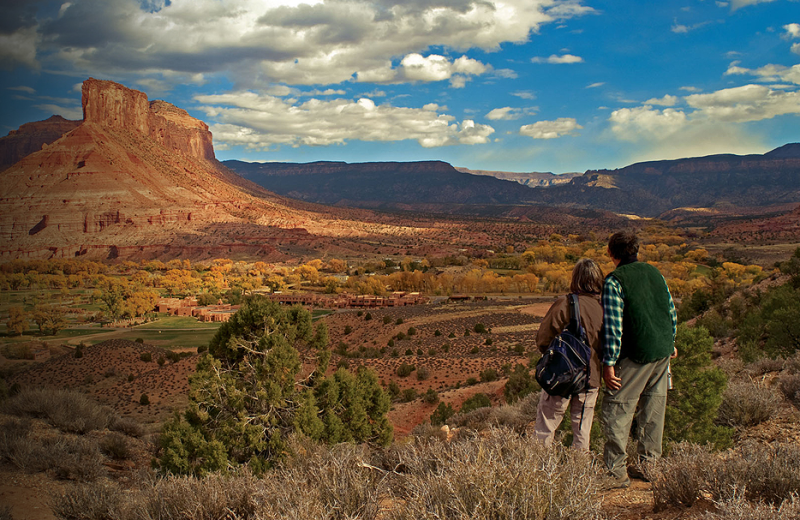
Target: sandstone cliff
(138, 179)
(114, 106)
(31, 137)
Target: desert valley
(406, 295)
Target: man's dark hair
(623, 245)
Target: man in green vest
(639, 323)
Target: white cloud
(710, 124)
(796, 48)
(66, 112)
(738, 4)
(551, 129)
(23, 88)
(745, 103)
(263, 122)
(679, 29)
(415, 67)
(506, 73)
(792, 30)
(768, 73)
(19, 48)
(595, 85)
(524, 94)
(496, 114)
(509, 113)
(260, 42)
(565, 58)
(326, 92)
(666, 101)
(631, 124)
(690, 89)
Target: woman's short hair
(586, 277)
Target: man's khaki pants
(551, 411)
(643, 394)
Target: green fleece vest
(646, 322)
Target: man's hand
(611, 379)
(674, 353)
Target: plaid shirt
(613, 304)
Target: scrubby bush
(144, 400)
(442, 413)
(499, 475)
(489, 374)
(146, 357)
(404, 370)
(746, 404)
(423, 373)
(437, 332)
(790, 387)
(96, 501)
(520, 383)
(408, 395)
(67, 410)
(412, 331)
(738, 508)
(430, 396)
(478, 400)
(387, 320)
(399, 321)
(480, 328)
(757, 472)
(115, 446)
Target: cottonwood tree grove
(249, 394)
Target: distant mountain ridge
(369, 184)
(530, 179)
(654, 187)
(647, 189)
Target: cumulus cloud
(745, 103)
(65, 112)
(796, 48)
(551, 129)
(19, 48)
(565, 58)
(262, 122)
(768, 73)
(666, 101)
(524, 94)
(292, 42)
(711, 123)
(792, 30)
(509, 113)
(738, 4)
(23, 88)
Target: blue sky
(513, 85)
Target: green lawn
(319, 313)
(170, 338)
(177, 322)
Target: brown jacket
(557, 318)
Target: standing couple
(630, 324)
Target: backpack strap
(575, 318)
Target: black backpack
(563, 370)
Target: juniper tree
(247, 395)
(698, 385)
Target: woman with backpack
(587, 284)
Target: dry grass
(67, 410)
(516, 416)
(767, 473)
(746, 404)
(790, 386)
(497, 475)
(738, 508)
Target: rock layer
(31, 137)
